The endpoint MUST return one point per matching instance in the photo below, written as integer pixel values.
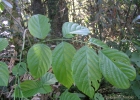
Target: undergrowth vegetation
(81, 64)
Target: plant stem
(13, 17)
(65, 40)
(20, 60)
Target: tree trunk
(58, 14)
(38, 7)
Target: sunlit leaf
(116, 68)
(98, 43)
(136, 19)
(39, 26)
(1, 7)
(3, 43)
(7, 3)
(69, 96)
(62, 57)
(69, 28)
(86, 72)
(39, 59)
(4, 74)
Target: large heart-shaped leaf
(69, 96)
(116, 68)
(62, 57)
(4, 74)
(39, 26)
(39, 59)
(86, 71)
(30, 88)
(3, 43)
(69, 28)
(98, 43)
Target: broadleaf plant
(86, 72)
(62, 57)
(48, 78)
(69, 96)
(135, 58)
(39, 26)
(116, 68)
(4, 74)
(83, 68)
(39, 59)
(19, 69)
(31, 87)
(69, 29)
(3, 43)
(98, 43)
(98, 96)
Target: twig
(13, 17)
(17, 76)
(128, 13)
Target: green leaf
(20, 68)
(98, 43)
(69, 28)
(30, 88)
(116, 68)
(69, 96)
(3, 43)
(135, 57)
(45, 89)
(4, 74)
(86, 72)
(62, 57)
(135, 85)
(39, 59)
(1, 7)
(48, 78)
(39, 26)
(7, 3)
(136, 88)
(98, 96)
(17, 92)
